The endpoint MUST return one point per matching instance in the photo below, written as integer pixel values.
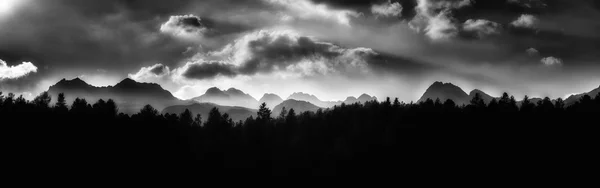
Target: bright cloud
(481, 27)
(387, 9)
(552, 61)
(525, 21)
(156, 71)
(306, 9)
(17, 71)
(185, 27)
(434, 18)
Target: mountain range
(230, 97)
(129, 95)
(443, 91)
(328, 104)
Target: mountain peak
(234, 91)
(443, 91)
(76, 82)
(350, 98)
(364, 95)
(475, 91)
(271, 99)
(213, 90)
(127, 82)
(271, 96)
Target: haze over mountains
(230, 97)
(131, 96)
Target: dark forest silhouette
(350, 138)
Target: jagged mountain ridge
(443, 91)
(230, 97)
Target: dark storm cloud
(159, 69)
(205, 70)
(82, 34)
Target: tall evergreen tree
(186, 118)
(264, 113)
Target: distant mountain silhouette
(298, 106)
(444, 91)
(361, 99)
(230, 97)
(300, 96)
(272, 100)
(236, 113)
(130, 95)
(364, 98)
(574, 98)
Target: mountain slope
(272, 100)
(444, 91)
(300, 96)
(129, 95)
(574, 98)
(486, 98)
(236, 113)
(297, 105)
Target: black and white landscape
(296, 87)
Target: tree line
(349, 138)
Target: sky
(329, 48)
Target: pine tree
(263, 113)
(197, 120)
(186, 118)
(283, 113)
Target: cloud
(387, 9)
(529, 3)
(525, 21)
(17, 71)
(186, 27)
(434, 18)
(481, 27)
(552, 61)
(206, 69)
(532, 52)
(156, 71)
(308, 10)
(268, 51)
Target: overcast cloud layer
(330, 48)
